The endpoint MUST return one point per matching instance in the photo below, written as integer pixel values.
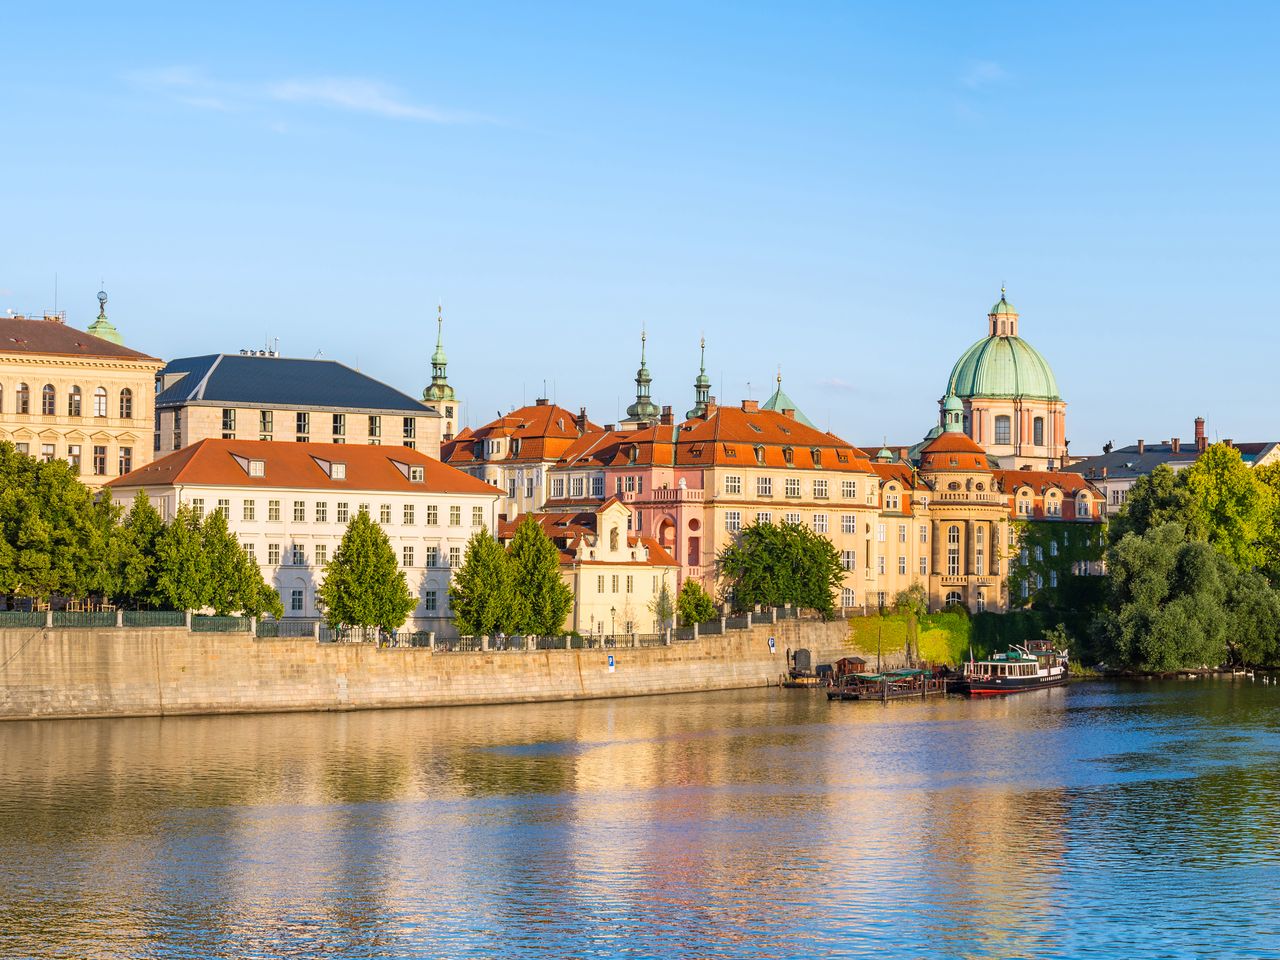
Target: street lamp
(613, 612)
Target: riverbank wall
(64, 673)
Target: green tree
(481, 593)
(913, 600)
(181, 566)
(663, 606)
(235, 581)
(542, 599)
(1153, 501)
(1229, 506)
(776, 564)
(363, 584)
(135, 554)
(694, 604)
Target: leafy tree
(135, 554)
(235, 582)
(1153, 501)
(481, 592)
(542, 599)
(776, 564)
(913, 600)
(363, 584)
(663, 606)
(1253, 620)
(694, 604)
(1229, 506)
(182, 567)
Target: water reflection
(1086, 821)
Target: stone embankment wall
(168, 671)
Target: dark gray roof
(241, 380)
(1127, 462)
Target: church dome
(1003, 367)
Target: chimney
(668, 418)
(711, 408)
(609, 427)
(750, 406)
(1176, 444)
(1142, 447)
(541, 402)
(1104, 473)
(1200, 441)
(580, 421)
(1229, 442)
(789, 412)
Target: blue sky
(837, 189)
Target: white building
(289, 504)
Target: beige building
(260, 396)
(289, 505)
(74, 395)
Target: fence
(221, 624)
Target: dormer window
(788, 455)
(257, 468)
(337, 471)
(755, 427)
(415, 474)
(759, 454)
(515, 447)
(817, 456)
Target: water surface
(1101, 820)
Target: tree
(135, 555)
(541, 598)
(913, 600)
(1153, 501)
(776, 564)
(235, 582)
(481, 592)
(1229, 506)
(663, 606)
(694, 604)
(363, 584)
(181, 565)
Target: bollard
(484, 642)
(187, 615)
(48, 617)
(723, 624)
(431, 641)
(119, 618)
(253, 626)
(666, 637)
(773, 614)
(748, 619)
(695, 631)
(635, 640)
(315, 631)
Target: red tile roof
(22, 335)
(544, 432)
(1042, 480)
(568, 529)
(217, 462)
(953, 451)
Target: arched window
(954, 598)
(982, 601)
(1082, 507)
(73, 402)
(1037, 431)
(48, 401)
(1004, 432)
(953, 551)
(100, 402)
(24, 399)
(126, 404)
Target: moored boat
(1033, 667)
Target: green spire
(701, 385)
(780, 401)
(952, 414)
(644, 409)
(102, 328)
(439, 390)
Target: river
(1101, 820)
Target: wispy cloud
(194, 88)
(981, 73)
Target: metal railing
(153, 618)
(22, 618)
(73, 618)
(221, 624)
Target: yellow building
(81, 396)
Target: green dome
(1003, 367)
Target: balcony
(969, 496)
(670, 495)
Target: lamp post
(613, 612)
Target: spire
(701, 385)
(644, 410)
(439, 390)
(780, 402)
(1002, 318)
(102, 328)
(952, 414)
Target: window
(630, 485)
(892, 501)
(819, 523)
(902, 533)
(99, 461)
(902, 564)
(764, 486)
(732, 521)
(1053, 506)
(73, 402)
(408, 514)
(848, 598)
(788, 455)
(953, 551)
(880, 565)
(73, 457)
(416, 474)
(1024, 505)
(299, 511)
(295, 601)
(759, 454)
(266, 423)
(793, 486)
(820, 489)
(1039, 553)
(791, 518)
(384, 514)
(433, 515)
(849, 489)
(100, 402)
(477, 516)
(126, 404)
(979, 552)
(1053, 578)
(557, 487)
(614, 584)
(224, 508)
(630, 584)
(577, 486)
(257, 468)
(229, 423)
(455, 516)
(273, 554)
(47, 452)
(1037, 431)
(406, 556)
(847, 559)
(871, 494)
(298, 556)
(126, 460)
(1053, 548)
(733, 485)
(273, 509)
(430, 601)
(1003, 432)
(177, 429)
(600, 584)
(410, 430)
(954, 598)
(597, 487)
(848, 523)
(764, 516)
(924, 567)
(880, 532)
(248, 509)
(322, 554)
(322, 512)
(251, 551)
(375, 428)
(343, 513)
(339, 425)
(302, 426)
(23, 399)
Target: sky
(834, 190)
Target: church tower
(440, 394)
(644, 411)
(701, 386)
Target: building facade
(289, 504)
(259, 396)
(76, 395)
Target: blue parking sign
(611, 663)
(773, 645)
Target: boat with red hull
(1033, 667)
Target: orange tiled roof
(1042, 480)
(567, 529)
(544, 432)
(216, 462)
(953, 451)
